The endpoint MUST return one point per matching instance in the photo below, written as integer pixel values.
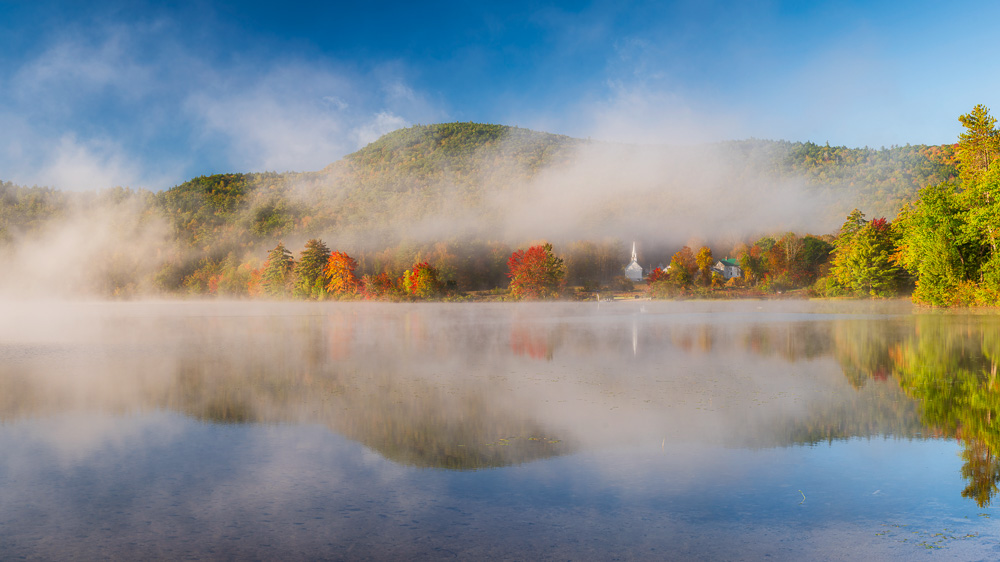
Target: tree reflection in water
(948, 363)
(451, 388)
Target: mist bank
(459, 386)
(480, 190)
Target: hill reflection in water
(453, 386)
(104, 394)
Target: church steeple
(633, 270)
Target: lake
(570, 431)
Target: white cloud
(640, 114)
(381, 123)
(97, 164)
(295, 117)
(399, 91)
(336, 102)
(76, 66)
(137, 105)
(273, 125)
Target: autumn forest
(466, 211)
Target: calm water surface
(631, 430)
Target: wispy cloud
(94, 164)
(297, 115)
(382, 123)
(138, 105)
(639, 113)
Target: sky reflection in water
(647, 430)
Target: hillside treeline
(944, 244)
(427, 193)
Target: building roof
(730, 262)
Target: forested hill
(431, 171)
(454, 171)
(422, 151)
(881, 180)
(409, 171)
(422, 172)
(467, 181)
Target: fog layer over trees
(460, 198)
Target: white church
(633, 270)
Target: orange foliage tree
(255, 287)
(683, 267)
(339, 271)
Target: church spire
(633, 270)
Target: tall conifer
(279, 265)
(979, 145)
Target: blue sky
(150, 94)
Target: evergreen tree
(277, 270)
(310, 274)
(949, 236)
(929, 230)
(815, 252)
(980, 199)
(979, 145)
(862, 263)
(854, 223)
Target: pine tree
(979, 145)
(274, 278)
(310, 276)
(862, 262)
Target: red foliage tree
(530, 342)
(879, 225)
(421, 281)
(657, 275)
(535, 273)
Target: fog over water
(312, 430)
(582, 373)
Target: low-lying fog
(419, 431)
(471, 385)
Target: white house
(728, 268)
(633, 270)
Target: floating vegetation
(928, 540)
